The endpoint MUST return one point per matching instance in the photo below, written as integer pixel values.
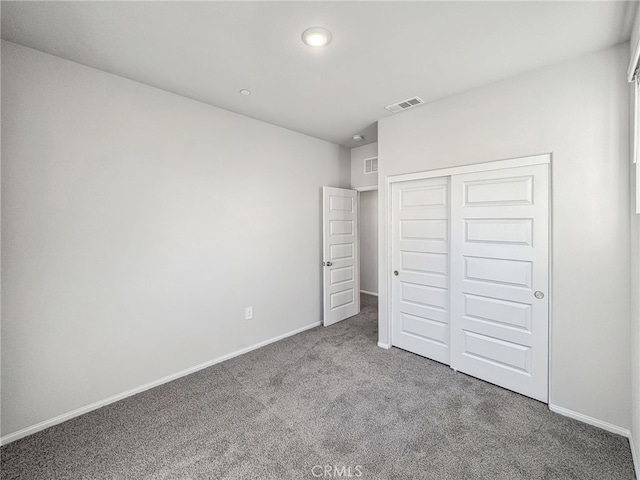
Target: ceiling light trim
(316, 37)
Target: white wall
(635, 327)
(635, 281)
(136, 227)
(635, 277)
(358, 177)
(579, 111)
(369, 241)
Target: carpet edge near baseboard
(373, 294)
(12, 437)
(609, 427)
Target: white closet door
(420, 285)
(499, 277)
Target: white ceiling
(381, 53)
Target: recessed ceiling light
(316, 37)
(244, 91)
(358, 138)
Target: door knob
(329, 264)
(539, 295)
(395, 272)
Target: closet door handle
(395, 272)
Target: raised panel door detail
(340, 227)
(342, 298)
(499, 191)
(426, 328)
(423, 262)
(512, 231)
(424, 295)
(514, 314)
(340, 204)
(423, 229)
(494, 350)
(342, 274)
(435, 196)
(515, 273)
(341, 251)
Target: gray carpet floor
(326, 397)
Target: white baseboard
(590, 420)
(368, 293)
(634, 455)
(101, 403)
(384, 345)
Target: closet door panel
(499, 277)
(420, 256)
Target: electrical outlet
(248, 313)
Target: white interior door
(420, 284)
(341, 271)
(500, 278)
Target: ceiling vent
(371, 165)
(405, 104)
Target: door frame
(540, 159)
(368, 188)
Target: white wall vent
(371, 165)
(408, 103)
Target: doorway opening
(369, 243)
